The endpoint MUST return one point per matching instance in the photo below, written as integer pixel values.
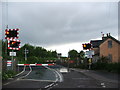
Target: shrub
(110, 67)
(7, 74)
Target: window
(110, 57)
(110, 44)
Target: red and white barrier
(35, 64)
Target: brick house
(108, 47)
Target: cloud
(53, 23)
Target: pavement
(108, 79)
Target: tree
(38, 54)
(73, 54)
(54, 54)
(82, 55)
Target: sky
(60, 26)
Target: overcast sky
(61, 26)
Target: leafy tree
(73, 54)
(38, 54)
(54, 54)
(82, 55)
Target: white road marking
(81, 78)
(38, 80)
(103, 85)
(26, 74)
(57, 75)
(6, 83)
(49, 85)
(17, 78)
(21, 72)
(53, 72)
(9, 82)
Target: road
(38, 77)
(34, 77)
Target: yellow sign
(90, 61)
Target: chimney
(107, 35)
(102, 35)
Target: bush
(99, 66)
(110, 67)
(7, 74)
(82, 66)
(113, 67)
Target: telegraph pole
(26, 51)
(68, 61)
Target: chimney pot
(107, 34)
(102, 35)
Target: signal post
(87, 46)
(11, 35)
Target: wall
(105, 51)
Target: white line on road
(49, 85)
(53, 72)
(21, 72)
(6, 83)
(19, 77)
(60, 76)
(26, 74)
(57, 75)
(38, 80)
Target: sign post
(89, 55)
(9, 64)
(12, 54)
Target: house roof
(110, 37)
(96, 43)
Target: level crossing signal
(14, 44)
(12, 36)
(86, 46)
(11, 33)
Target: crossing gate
(36, 64)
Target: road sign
(91, 52)
(88, 56)
(9, 63)
(12, 53)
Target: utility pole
(12, 61)
(68, 61)
(6, 26)
(26, 51)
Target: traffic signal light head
(11, 33)
(12, 44)
(87, 46)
